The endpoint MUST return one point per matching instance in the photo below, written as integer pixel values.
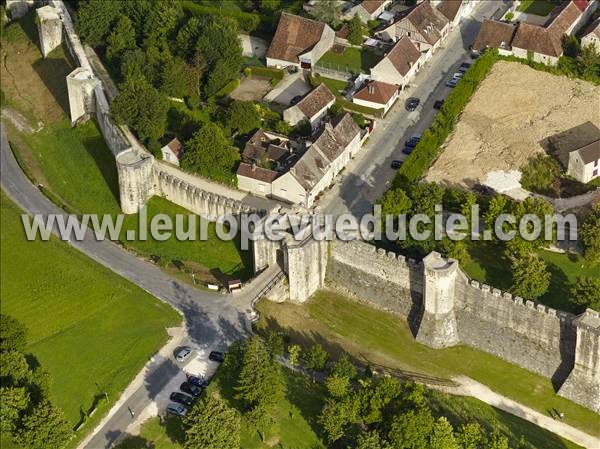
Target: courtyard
(514, 109)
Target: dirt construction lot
(514, 109)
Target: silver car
(176, 409)
(183, 353)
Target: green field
(382, 339)
(89, 328)
(353, 60)
(489, 267)
(537, 7)
(295, 416)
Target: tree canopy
(209, 153)
(212, 423)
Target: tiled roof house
(313, 107)
(299, 41)
(400, 65)
(424, 25)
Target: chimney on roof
(371, 89)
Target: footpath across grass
(378, 338)
(89, 328)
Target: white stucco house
(578, 150)
(299, 42)
(313, 107)
(367, 9)
(400, 65)
(541, 43)
(591, 35)
(424, 25)
(301, 181)
(377, 95)
(172, 152)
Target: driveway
(289, 87)
(369, 175)
(253, 46)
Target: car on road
(190, 389)
(464, 67)
(438, 104)
(412, 103)
(296, 100)
(181, 398)
(396, 164)
(216, 356)
(407, 150)
(412, 142)
(452, 82)
(176, 409)
(197, 381)
(183, 353)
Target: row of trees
(360, 411)
(26, 413)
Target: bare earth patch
(251, 89)
(514, 109)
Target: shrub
(428, 147)
(509, 16)
(246, 21)
(228, 88)
(540, 175)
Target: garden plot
(514, 109)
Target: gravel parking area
(251, 89)
(514, 109)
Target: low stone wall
(527, 334)
(385, 279)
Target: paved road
(212, 320)
(369, 175)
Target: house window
(596, 163)
(595, 173)
(167, 157)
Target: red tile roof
(493, 34)
(428, 21)
(255, 172)
(295, 36)
(316, 100)
(176, 147)
(581, 4)
(371, 5)
(538, 39)
(562, 18)
(377, 92)
(404, 55)
(449, 8)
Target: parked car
(438, 104)
(396, 164)
(458, 75)
(190, 389)
(412, 142)
(183, 353)
(412, 103)
(176, 409)
(216, 356)
(407, 150)
(197, 381)
(295, 100)
(452, 82)
(464, 67)
(181, 398)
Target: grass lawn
(89, 328)
(350, 60)
(488, 267)
(537, 7)
(295, 416)
(337, 87)
(80, 169)
(382, 339)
